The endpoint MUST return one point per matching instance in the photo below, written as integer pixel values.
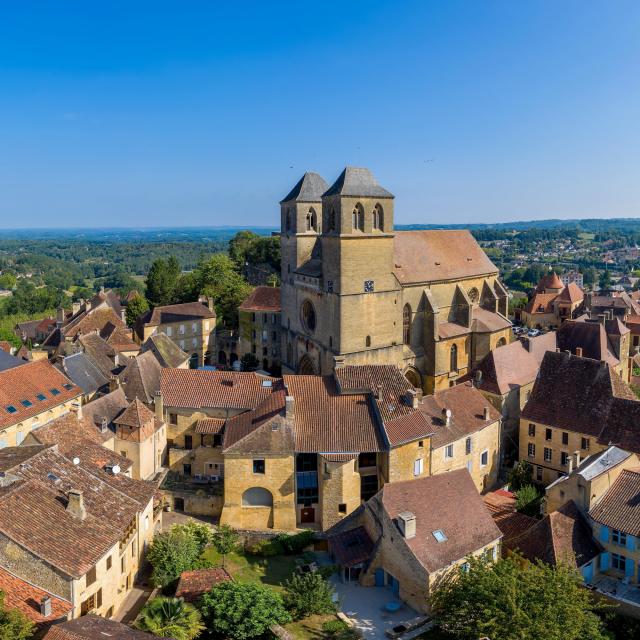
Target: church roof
(357, 182)
(308, 189)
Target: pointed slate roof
(308, 189)
(357, 182)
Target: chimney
(59, 316)
(576, 459)
(76, 408)
(290, 407)
(210, 303)
(75, 307)
(486, 413)
(75, 504)
(158, 403)
(45, 607)
(116, 359)
(114, 383)
(478, 378)
(412, 398)
(378, 392)
(446, 416)
(104, 424)
(407, 524)
(569, 465)
(338, 361)
(579, 352)
(123, 315)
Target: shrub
(520, 475)
(296, 543)
(308, 594)
(339, 630)
(171, 618)
(241, 610)
(528, 500)
(265, 549)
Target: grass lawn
(271, 571)
(310, 628)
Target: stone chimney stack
(289, 407)
(412, 398)
(75, 504)
(407, 524)
(59, 316)
(576, 459)
(338, 361)
(579, 352)
(75, 307)
(104, 424)
(158, 403)
(446, 416)
(486, 413)
(45, 607)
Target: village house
(552, 303)
(32, 395)
(190, 325)
(412, 534)
(73, 529)
(578, 407)
(259, 330)
(429, 302)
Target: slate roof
(84, 373)
(619, 508)
(102, 354)
(585, 396)
(92, 627)
(357, 182)
(192, 585)
(196, 388)
(7, 361)
(26, 598)
(439, 255)
(177, 313)
(166, 351)
(467, 527)
(467, 407)
(28, 329)
(308, 189)
(563, 536)
(28, 381)
(262, 299)
(141, 377)
(601, 462)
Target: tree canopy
(14, 625)
(170, 618)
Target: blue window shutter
(604, 533)
(629, 567)
(604, 561)
(631, 543)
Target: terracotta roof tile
(619, 508)
(210, 425)
(178, 313)
(485, 321)
(541, 303)
(92, 627)
(262, 299)
(502, 507)
(194, 584)
(351, 547)
(571, 293)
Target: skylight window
(41, 396)
(54, 392)
(26, 403)
(11, 409)
(68, 386)
(266, 383)
(438, 534)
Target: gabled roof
(560, 537)
(541, 303)
(7, 361)
(589, 336)
(308, 189)
(108, 406)
(447, 502)
(176, 313)
(619, 508)
(351, 547)
(439, 255)
(141, 377)
(166, 351)
(357, 182)
(194, 584)
(262, 299)
(92, 627)
(602, 462)
(136, 422)
(571, 293)
(84, 373)
(102, 354)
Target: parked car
(532, 333)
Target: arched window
(454, 358)
(312, 220)
(378, 217)
(502, 342)
(308, 316)
(406, 324)
(357, 218)
(473, 294)
(257, 497)
(368, 341)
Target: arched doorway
(233, 357)
(306, 366)
(222, 358)
(258, 503)
(413, 377)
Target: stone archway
(306, 366)
(414, 377)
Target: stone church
(354, 291)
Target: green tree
(162, 281)
(308, 594)
(239, 245)
(224, 540)
(14, 625)
(171, 553)
(604, 281)
(520, 475)
(135, 308)
(217, 277)
(528, 500)
(8, 281)
(241, 610)
(249, 362)
(512, 600)
(170, 618)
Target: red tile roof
(26, 598)
(541, 303)
(619, 508)
(193, 388)
(502, 507)
(351, 547)
(136, 422)
(92, 627)
(262, 299)
(194, 584)
(571, 293)
(25, 383)
(178, 313)
(210, 425)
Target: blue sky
(187, 113)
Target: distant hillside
(587, 225)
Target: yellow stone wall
(402, 460)
(15, 434)
(339, 484)
(203, 334)
(146, 456)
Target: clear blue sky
(187, 113)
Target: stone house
(259, 330)
(578, 407)
(32, 395)
(407, 543)
(552, 303)
(190, 325)
(72, 528)
(429, 302)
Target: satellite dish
(448, 413)
(76, 461)
(115, 469)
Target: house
(91, 626)
(572, 276)
(578, 407)
(81, 370)
(73, 529)
(192, 585)
(190, 325)
(552, 303)
(167, 353)
(428, 302)
(259, 328)
(140, 378)
(32, 395)
(412, 534)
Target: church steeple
(301, 209)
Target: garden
(274, 582)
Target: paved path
(133, 603)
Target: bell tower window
(378, 220)
(312, 220)
(357, 218)
(454, 358)
(406, 324)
